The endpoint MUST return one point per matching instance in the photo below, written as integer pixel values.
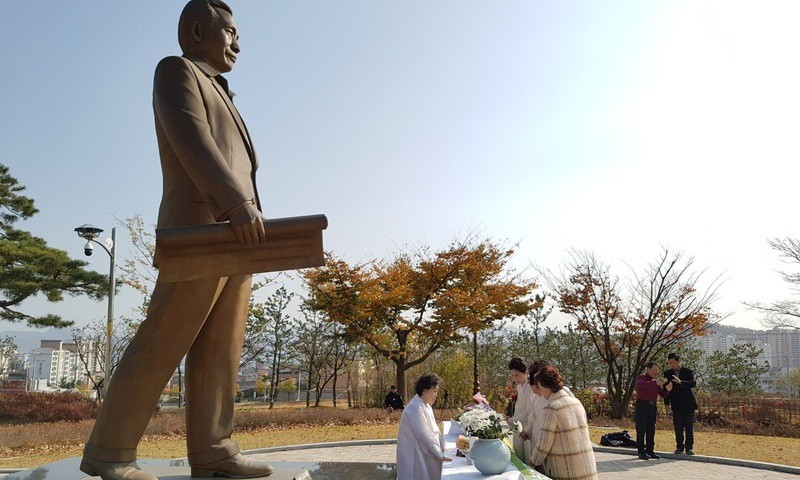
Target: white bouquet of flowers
(483, 423)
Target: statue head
(206, 29)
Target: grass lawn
(747, 447)
(175, 446)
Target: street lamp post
(90, 233)
(298, 384)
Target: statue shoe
(114, 471)
(236, 466)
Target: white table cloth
(459, 469)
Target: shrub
(247, 419)
(45, 407)
(711, 417)
(765, 416)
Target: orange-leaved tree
(631, 325)
(486, 290)
(411, 306)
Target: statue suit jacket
(207, 159)
(681, 397)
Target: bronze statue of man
(208, 164)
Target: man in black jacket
(683, 403)
(393, 400)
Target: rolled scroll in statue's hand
(210, 251)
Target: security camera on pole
(90, 233)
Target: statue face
(219, 42)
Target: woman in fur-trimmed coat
(563, 449)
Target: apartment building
(57, 362)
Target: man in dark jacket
(393, 400)
(683, 403)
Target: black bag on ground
(618, 439)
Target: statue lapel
(237, 119)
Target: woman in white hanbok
(420, 445)
(518, 372)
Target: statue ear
(196, 31)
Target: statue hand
(248, 225)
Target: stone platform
(163, 469)
(374, 460)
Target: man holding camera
(681, 399)
(648, 389)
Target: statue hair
(197, 11)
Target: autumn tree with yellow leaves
(485, 291)
(633, 323)
(410, 306)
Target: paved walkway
(612, 466)
(355, 453)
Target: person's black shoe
(653, 455)
(643, 456)
(678, 451)
(690, 452)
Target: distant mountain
(27, 340)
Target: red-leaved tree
(636, 323)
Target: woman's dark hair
(426, 382)
(518, 364)
(549, 377)
(533, 368)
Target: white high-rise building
(784, 344)
(56, 363)
(773, 344)
(44, 369)
(714, 342)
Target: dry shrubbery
(713, 418)
(765, 417)
(53, 436)
(45, 407)
(292, 417)
(764, 420)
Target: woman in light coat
(563, 449)
(420, 445)
(533, 428)
(535, 414)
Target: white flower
(480, 422)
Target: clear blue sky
(617, 127)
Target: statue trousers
(203, 320)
